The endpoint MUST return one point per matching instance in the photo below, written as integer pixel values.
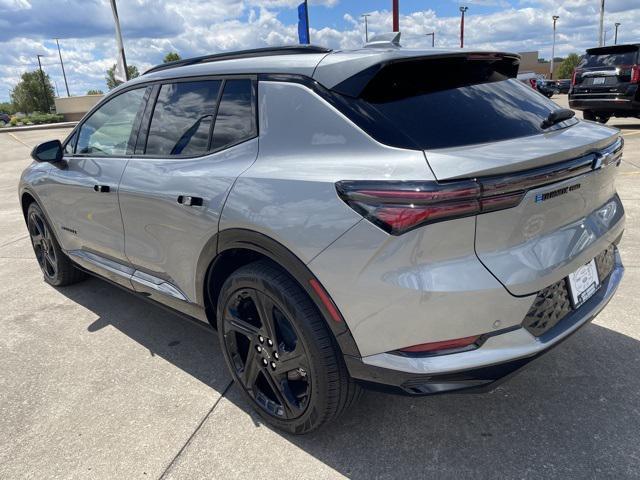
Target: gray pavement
(95, 383)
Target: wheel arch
(237, 247)
(26, 199)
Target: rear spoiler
(354, 85)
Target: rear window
(454, 102)
(609, 58)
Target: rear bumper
(500, 356)
(613, 104)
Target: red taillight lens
(635, 74)
(434, 347)
(398, 207)
(533, 82)
(575, 76)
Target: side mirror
(50, 151)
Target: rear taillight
(575, 76)
(397, 206)
(533, 82)
(635, 74)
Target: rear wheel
(595, 117)
(58, 270)
(280, 351)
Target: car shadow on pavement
(574, 413)
(627, 126)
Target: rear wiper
(557, 116)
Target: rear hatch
(607, 71)
(473, 120)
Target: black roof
(256, 52)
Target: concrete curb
(45, 126)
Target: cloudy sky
(152, 28)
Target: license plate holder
(583, 283)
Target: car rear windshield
(609, 58)
(453, 102)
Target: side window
(182, 118)
(236, 119)
(107, 131)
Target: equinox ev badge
(541, 197)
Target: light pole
(553, 47)
(122, 60)
(601, 35)
(62, 65)
(462, 11)
(44, 88)
(615, 39)
(366, 26)
(433, 38)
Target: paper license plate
(583, 283)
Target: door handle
(190, 201)
(102, 188)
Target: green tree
(95, 92)
(7, 107)
(112, 82)
(568, 66)
(171, 57)
(30, 96)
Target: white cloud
(152, 28)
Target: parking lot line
(627, 133)
(17, 139)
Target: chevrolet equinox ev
(417, 221)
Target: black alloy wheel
(280, 350)
(266, 353)
(43, 246)
(57, 268)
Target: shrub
(40, 118)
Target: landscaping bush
(40, 118)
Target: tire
(602, 119)
(296, 381)
(589, 115)
(57, 268)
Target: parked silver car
(342, 218)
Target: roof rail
(256, 52)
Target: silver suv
(417, 221)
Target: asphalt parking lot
(95, 383)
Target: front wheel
(56, 267)
(280, 350)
